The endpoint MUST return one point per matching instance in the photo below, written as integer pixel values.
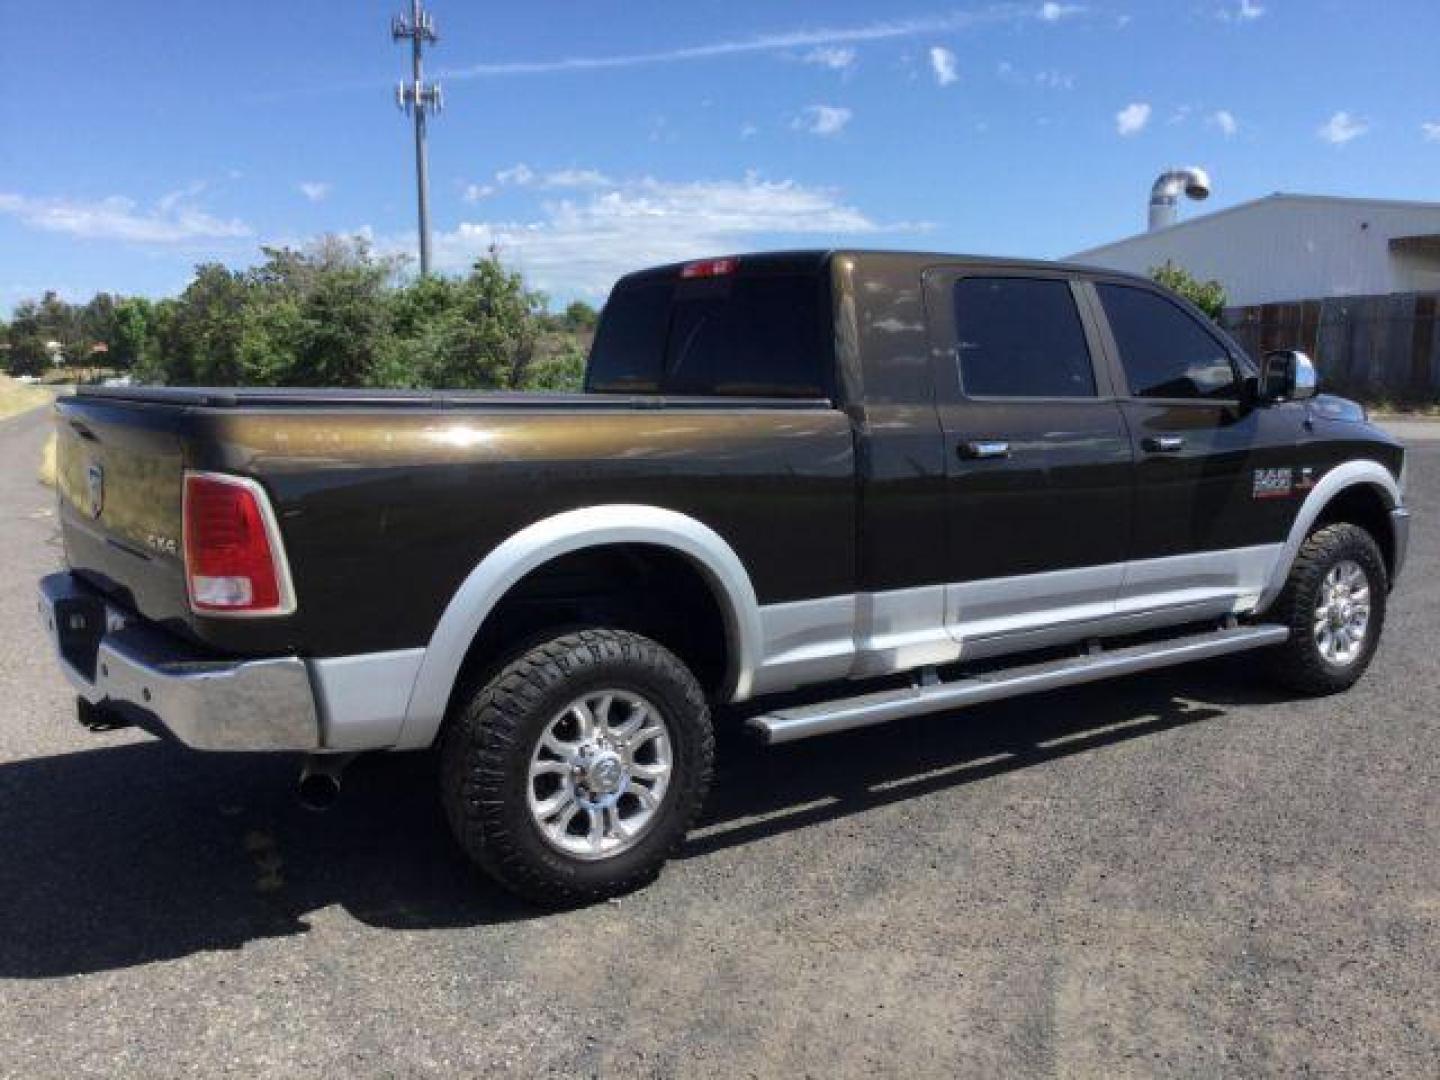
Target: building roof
(1256, 204)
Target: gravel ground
(1180, 874)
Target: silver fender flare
(562, 534)
(1348, 475)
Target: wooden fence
(1381, 348)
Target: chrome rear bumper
(113, 659)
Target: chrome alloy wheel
(1342, 616)
(599, 774)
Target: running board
(827, 717)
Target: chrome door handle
(1163, 444)
(984, 448)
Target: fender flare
(1340, 478)
(562, 534)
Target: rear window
(738, 335)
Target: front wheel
(1334, 604)
(575, 773)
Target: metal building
(1285, 248)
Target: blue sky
(587, 138)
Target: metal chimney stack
(1165, 195)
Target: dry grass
(18, 397)
(47, 461)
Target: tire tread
(481, 743)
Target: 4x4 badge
(95, 484)
(1273, 483)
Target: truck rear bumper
(114, 660)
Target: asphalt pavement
(1179, 874)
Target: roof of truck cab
(814, 260)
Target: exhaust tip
(319, 791)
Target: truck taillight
(234, 561)
(707, 268)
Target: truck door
(1214, 476)
(1039, 465)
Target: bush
(1208, 296)
(332, 314)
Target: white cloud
(518, 175)
(1225, 121)
(1342, 128)
(582, 246)
(174, 218)
(942, 63)
(748, 131)
(1132, 119)
(834, 57)
(1431, 131)
(575, 178)
(823, 120)
(786, 41)
(315, 190)
(1244, 11)
(476, 192)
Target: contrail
(795, 39)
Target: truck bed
(230, 397)
(386, 500)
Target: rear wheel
(577, 770)
(1334, 604)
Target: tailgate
(120, 470)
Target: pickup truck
(806, 491)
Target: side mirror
(1287, 375)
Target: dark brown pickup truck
(898, 483)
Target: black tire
(493, 733)
(1299, 664)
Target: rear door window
(1021, 337)
(1166, 351)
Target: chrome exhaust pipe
(320, 780)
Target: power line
(418, 99)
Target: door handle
(983, 448)
(1163, 444)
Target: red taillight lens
(709, 268)
(232, 548)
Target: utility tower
(418, 99)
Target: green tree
(1208, 296)
(562, 369)
(27, 339)
(579, 316)
(479, 332)
(130, 333)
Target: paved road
(1177, 875)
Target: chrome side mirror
(1287, 375)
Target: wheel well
(644, 588)
(1363, 505)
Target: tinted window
(737, 335)
(629, 349)
(1165, 351)
(1020, 337)
(746, 335)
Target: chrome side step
(827, 717)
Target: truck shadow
(143, 851)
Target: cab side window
(1166, 353)
(1020, 337)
